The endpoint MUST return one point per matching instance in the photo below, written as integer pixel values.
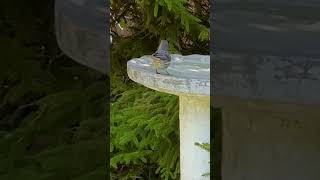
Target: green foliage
(54, 140)
(206, 147)
(184, 23)
(51, 109)
(144, 130)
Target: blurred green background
(52, 110)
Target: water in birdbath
(192, 66)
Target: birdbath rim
(188, 75)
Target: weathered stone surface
(81, 31)
(194, 127)
(273, 78)
(263, 141)
(189, 75)
(266, 79)
(267, 50)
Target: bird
(161, 58)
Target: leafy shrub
(52, 120)
(144, 130)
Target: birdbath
(266, 82)
(81, 32)
(188, 78)
(270, 125)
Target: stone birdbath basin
(189, 78)
(266, 82)
(81, 32)
(270, 123)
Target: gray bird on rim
(161, 58)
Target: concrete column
(271, 142)
(194, 127)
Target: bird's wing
(163, 55)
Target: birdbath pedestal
(270, 116)
(188, 78)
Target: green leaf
(169, 4)
(122, 23)
(156, 6)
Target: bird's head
(164, 45)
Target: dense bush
(51, 109)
